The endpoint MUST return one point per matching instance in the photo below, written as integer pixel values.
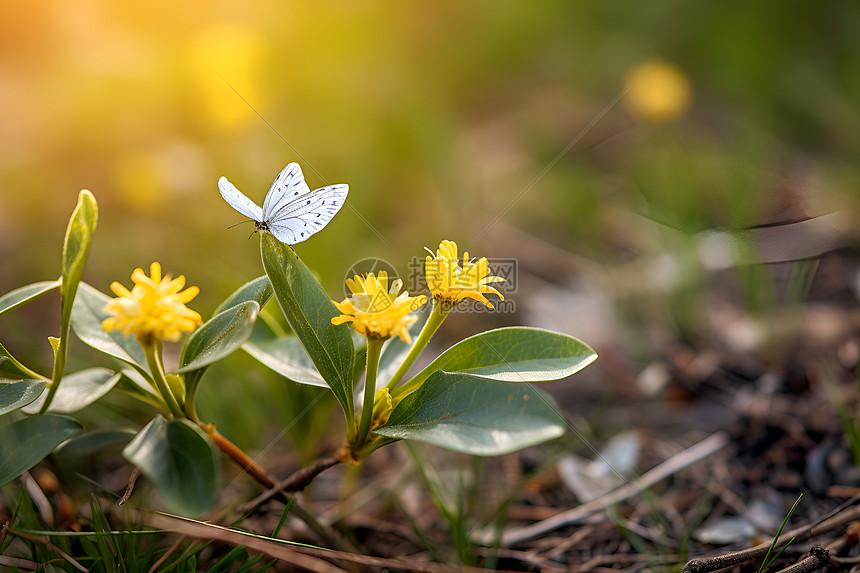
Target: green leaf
(287, 357)
(76, 249)
(134, 384)
(474, 415)
(77, 454)
(259, 290)
(309, 311)
(180, 460)
(21, 296)
(218, 337)
(78, 391)
(11, 369)
(87, 316)
(514, 354)
(26, 442)
(91, 443)
(19, 394)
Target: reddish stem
(242, 459)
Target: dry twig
(683, 459)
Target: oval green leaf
(11, 369)
(77, 454)
(180, 460)
(27, 441)
(309, 311)
(21, 296)
(19, 394)
(91, 443)
(76, 249)
(78, 391)
(131, 382)
(87, 316)
(218, 337)
(287, 357)
(515, 354)
(474, 415)
(259, 290)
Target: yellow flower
(154, 308)
(659, 92)
(376, 311)
(451, 283)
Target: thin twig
(170, 551)
(683, 459)
(296, 481)
(40, 500)
(293, 554)
(50, 546)
(19, 563)
(242, 459)
(132, 479)
(612, 559)
(529, 558)
(707, 564)
(818, 557)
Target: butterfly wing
(238, 201)
(304, 215)
(288, 185)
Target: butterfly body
(291, 211)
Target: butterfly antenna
(239, 223)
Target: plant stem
(190, 410)
(300, 480)
(56, 374)
(438, 313)
(242, 459)
(376, 442)
(152, 350)
(374, 348)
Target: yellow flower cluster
(377, 311)
(449, 282)
(154, 309)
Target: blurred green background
(447, 121)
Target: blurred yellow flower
(220, 59)
(451, 283)
(659, 92)
(154, 309)
(376, 311)
(139, 182)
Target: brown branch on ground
(297, 481)
(693, 454)
(312, 558)
(707, 564)
(818, 557)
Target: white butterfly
(291, 211)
